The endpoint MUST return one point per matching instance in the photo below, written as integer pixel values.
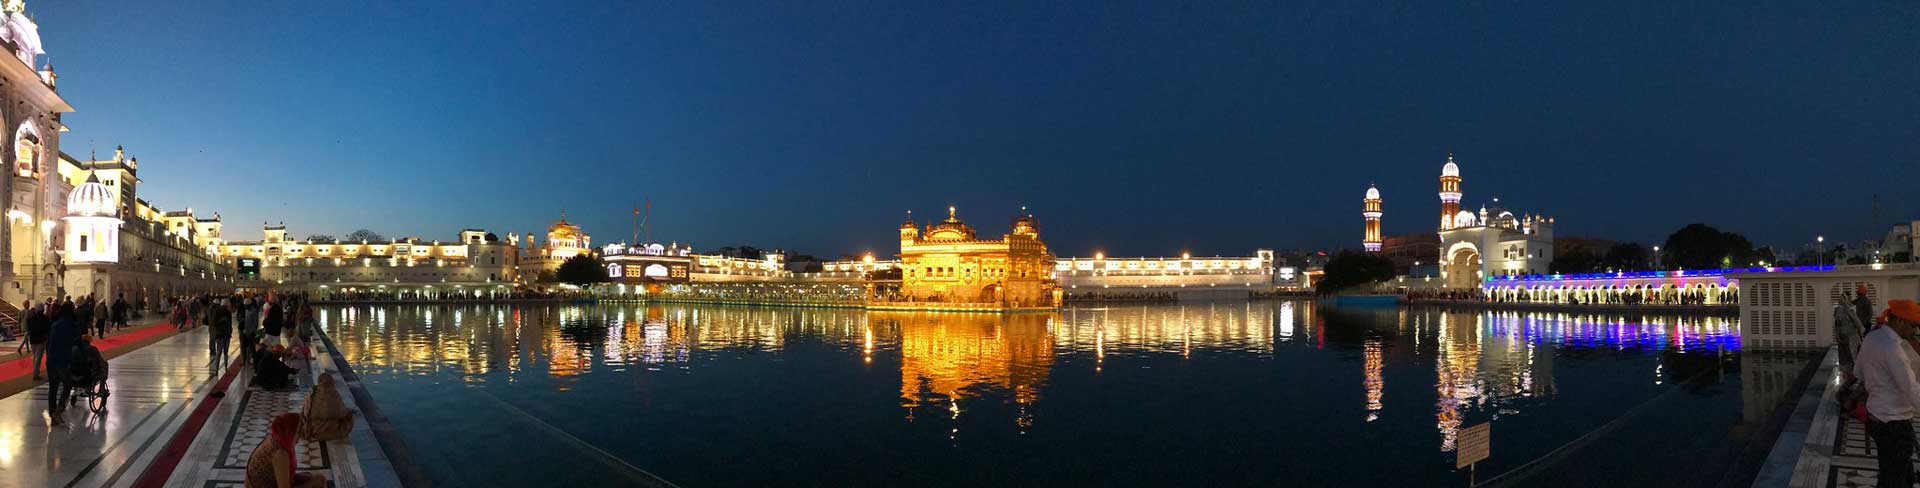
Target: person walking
(63, 335)
(102, 315)
(249, 329)
(1885, 367)
(220, 324)
(38, 326)
(120, 312)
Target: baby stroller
(89, 378)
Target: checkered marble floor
(239, 423)
(1855, 464)
(257, 410)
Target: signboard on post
(1471, 447)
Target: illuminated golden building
(947, 263)
(564, 240)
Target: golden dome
(951, 229)
(563, 229)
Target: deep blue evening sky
(1134, 128)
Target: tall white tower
(1371, 210)
(1449, 193)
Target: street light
(1822, 249)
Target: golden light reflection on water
(1482, 362)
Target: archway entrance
(1463, 268)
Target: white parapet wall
(1794, 310)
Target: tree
(1574, 261)
(365, 235)
(1700, 246)
(1627, 257)
(582, 270)
(1351, 269)
(320, 238)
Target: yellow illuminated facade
(564, 240)
(947, 263)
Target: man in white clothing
(1885, 366)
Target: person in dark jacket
(1863, 305)
(220, 324)
(38, 325)
(64, 334)
(274, 317)
(120, 312)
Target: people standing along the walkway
(39, 324)
(249, 329)
(1863, 305)
(1885, 366)
(177, 313)
(272, 319)
(102, 315)
(64, 334)
(193, 312)
(120, 312)
(220, 324)
(83, 314)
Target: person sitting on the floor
(268, 372)
(272, 464)
(326, 417)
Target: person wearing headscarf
(273, 465)
(326, 417)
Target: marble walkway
(155, 392)
(153, 388)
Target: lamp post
(1656, 257)
(1821, 248)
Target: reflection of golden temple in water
(944, 356)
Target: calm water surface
(1235, 393)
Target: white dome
(1373, 193)
(91, 199)
(1450, 169)
(1463, 219)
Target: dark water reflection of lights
(1235, 393)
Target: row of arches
(1628, 294)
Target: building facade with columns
(30, 110)
(110, 243)
(474, 263)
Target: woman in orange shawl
(272, 464)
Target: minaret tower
(1371, 210)
(1449, 193)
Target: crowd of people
(274, 336)
(1630, 297)
(1122, 296)
(453, 295)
